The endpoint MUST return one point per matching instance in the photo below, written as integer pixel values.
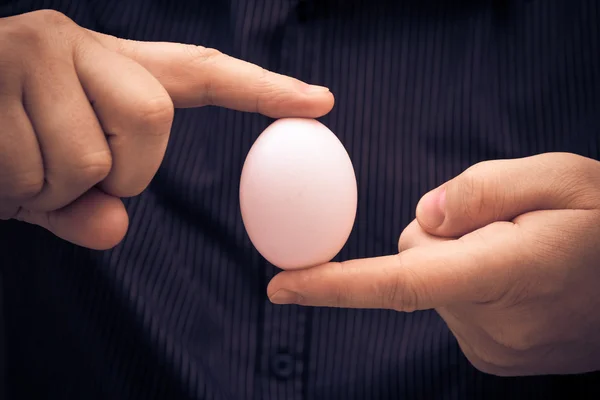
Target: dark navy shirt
(179, 309)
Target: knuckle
(28, 188)
(269, 91)
(92, 168)
(578, 182)
(51, 17)
(264, 81)
(201, 58)
(32, 33)
(128, 47)
(156, 115)
(25, 186)
(401, 291)
(22, 33)
(200, 54)
(263, 85)
(573, 179)
(393, 295)
(342, 295)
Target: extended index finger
(476, 268)
(196, 76)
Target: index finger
(476, 268)
(196, 76)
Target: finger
(74, 151)
(197, 76)
(470, 269)
(501, 190)
(21, 167)
(415, 236)
(135, 111)
(95, 220)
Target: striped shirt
(179, 310)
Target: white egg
(298, 194)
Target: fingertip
(291, 280)
(96, 221)
(328, 102)
(430, 212)
(111, 225)
(308, 103)
(273, 285)
(321, 97)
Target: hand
(85, 117)
(508, 253)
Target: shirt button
(282, 365)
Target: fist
(74, 115)
(85, 117)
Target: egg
(298, 194)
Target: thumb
(95, 220)
(196, 76)
(504, 189)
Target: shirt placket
(282, 348)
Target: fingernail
(283, 296)
(430, 210)
(316, 89)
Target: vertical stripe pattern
(178, 310)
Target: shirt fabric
(178, 310)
